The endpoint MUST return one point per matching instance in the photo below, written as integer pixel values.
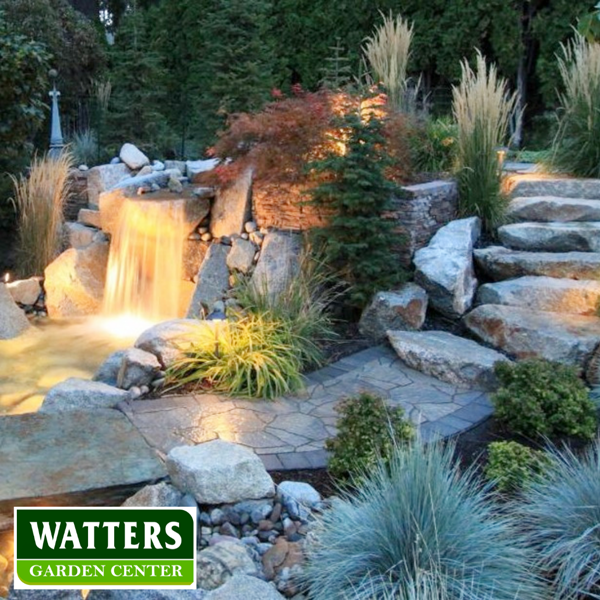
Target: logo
(91, 548)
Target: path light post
(56, 139)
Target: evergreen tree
(337, 71)
(137, 77)
(360, 241)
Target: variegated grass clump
(39, 199)
(482, 107)
(561, 512)
(419, 528)
(388, 52)
(576, 147)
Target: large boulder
(195, 168)
(550, 208)
(13, 321)
(401, 309)
(499, 263)
(217, 564)
(552, 237)
(279, 262)
(213, 280)
(232, 207)
(74, 281)
(168, 340)
(523, 333)
(447, 357)
(245, 587)
(561, 187)
(445, 267)
(79, 235)
(133, 157)
(81, 394)
(108, 371)
(544, 293)
(90, 217)
(241, 257)
(219, 472)
(103, 178)
(25, 291)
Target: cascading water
(143, 278)
(143, 286)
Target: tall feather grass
(482, 107)
(388, 53)
(576, 147)
(419, 528)
(561, 511)
(39, 199)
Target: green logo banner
(95, 548)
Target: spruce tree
(360, 241)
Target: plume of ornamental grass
(417, 528)
(39, 199)
(482, 108)
(561, 512)
(388, 53)
(576, 147)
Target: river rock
(278, 264)
(523, 333)
(219, 472)
(13, 321)
(138, 368)
(447, 357)
(213, 281)
(241, 257)
(161, 495)
(168, 340)
(25, 291)
(544, 293)
(244, 587)
(74, 282)
(552, 237)
(401, 309)
(550, 208)
(232, 207)
(218, 563)
(103, 178)
(81, 394)
(444, 268)
(499, 263)
(108, 371)
(301, 492)
(133, 157)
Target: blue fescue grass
(561, 510)
(419, 529)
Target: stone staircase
(544, 294)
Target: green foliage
(137, 73)
(368, 431)
(39, 200)
(337, 72)
(576, 148)
(360, 241)
(304, 305)
(511, 466)
(589, 25)
(84, 147)
(482, 108)
(434, 147)
(419, 528)
(542, 398)
(561, 512)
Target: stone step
(447, 357)
(498, 263)
(562, 187)
(523, 333)
(544, 293)
(546, 209)
(72, 459)
(552, 237)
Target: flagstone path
(290, 433)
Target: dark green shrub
(512, 465)
(542, 398)
(368, 430)
(434, 148)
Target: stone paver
(290, 433)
